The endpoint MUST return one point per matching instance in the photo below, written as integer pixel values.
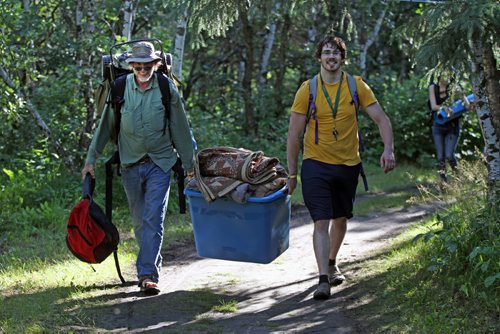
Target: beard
(331, 66)
(144, 79)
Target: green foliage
(402, 183)
(441, 275)
(226, 306)
(451, 26)
(53, 78)
(35, 202)
(411, 300)
(213, 16)
(466, 248)
(406, 105)
(53, 62)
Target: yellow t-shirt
(345, 149)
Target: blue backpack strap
(311, 111)
(353, 89)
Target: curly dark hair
(334, 41)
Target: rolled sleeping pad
(457, 108)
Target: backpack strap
(163, 82)
(88, 186)
(115, 159)
(433, 113)
(311, 110)
(165, 97)
(117, 99)
(313, 85)
(117, 266)
(353, 89)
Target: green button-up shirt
(141, 128)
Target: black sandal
(149, 287)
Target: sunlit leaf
(9, 173)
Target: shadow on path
(270, 298)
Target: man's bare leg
(321, 244)
(337, 234)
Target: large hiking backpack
(91, 235)
(111, 91)
(311, 113)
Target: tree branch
(39, 120)
(371, 40)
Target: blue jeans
(446, 141)
(147, 187)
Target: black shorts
(329, 190)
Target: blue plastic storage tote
(256, 231)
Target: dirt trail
(271, 298)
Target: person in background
(147, 155)
(331, 166)
(445, 135)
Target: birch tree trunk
(282, 56)
(482, 107)
(84, 60)
(90, 17)
(25, 75)
(180, 38)
(78, 18)
(311, 31)
(371, 39)
(312, 36)
(268, 47)
(492, 75)
(128, 19)
(250, 126)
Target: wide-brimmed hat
(142, 52)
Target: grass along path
(43, 289)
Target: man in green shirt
(147, 155)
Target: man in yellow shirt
(331, 161)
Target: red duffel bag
(91, 236)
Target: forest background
(240, 63)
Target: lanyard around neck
(337, 98)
